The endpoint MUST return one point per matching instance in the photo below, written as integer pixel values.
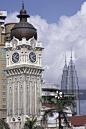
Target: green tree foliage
(31, 124)
(3, 125)
(58, 103)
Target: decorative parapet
(16, 43)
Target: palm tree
(3, 124)
(59, 102)
(31, 124)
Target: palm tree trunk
(30, 125)
(59, 120)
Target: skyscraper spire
(71, 61)
(65, 66)
(65, 57)
(71, 52)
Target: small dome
(23, 11)
(23, 28)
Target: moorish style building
(24, 72)
(69, 83)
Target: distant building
(69, 83)
(53, 121)
(8, 27)
(5, 30)
(78, 122)
(49, 89)
(3, 78)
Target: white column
(30, 97)
(40, 93)
(36, 96)
(24, 58)
(38, 60)
(13, 96)
(9, 60)
(7, 99)
(18, 98)
(21, 57)
(25, 98)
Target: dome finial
(22, 4)
(23, 28)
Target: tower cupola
(23, 28)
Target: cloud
(70, 32)
(58, 39)
(11, 18)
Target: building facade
(3, 78)
(49, 89)
(69, 83)
(24, 72)
(8, 27)
(5, 30)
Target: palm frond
(3, 124)
(59, 103)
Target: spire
(23, 28)
(71, 52)
(23, 14)
(65, 66)
(71, 61)
(65, 57)
(22, 4)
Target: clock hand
(32, 57)
(17, 56)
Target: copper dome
(23, 28)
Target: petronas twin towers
(69, 83)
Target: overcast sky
(61, 25)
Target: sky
(61, 25)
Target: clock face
(15, 57)
(32, 57)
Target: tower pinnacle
(71, 61)
(22, 4)
(65, 57)
(71, 53)
(65, 66)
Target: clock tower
(24, 72)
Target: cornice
(24, 70)
(30, 44)
(2, 44)
(3, 109)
